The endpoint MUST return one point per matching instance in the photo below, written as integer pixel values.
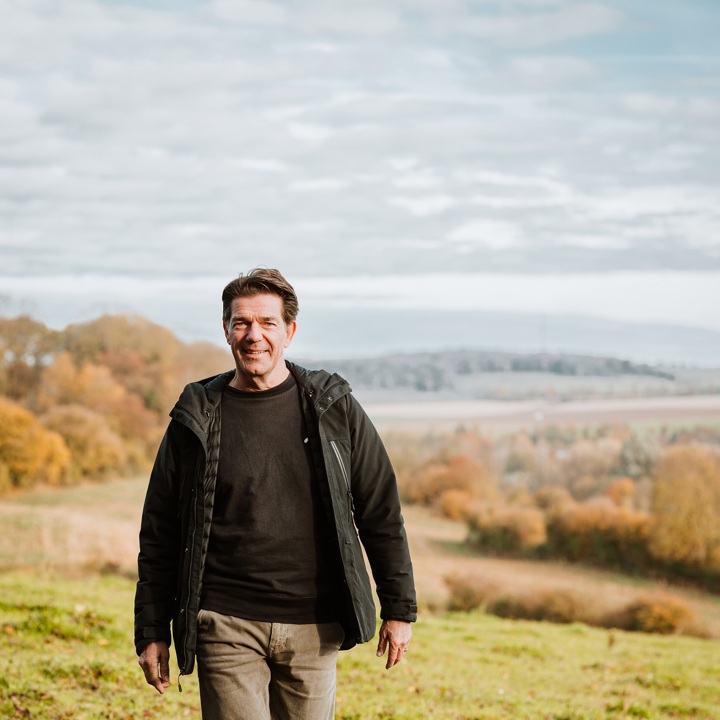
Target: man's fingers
(396, 654)
(382, 645)
(155, 664)
(165, 670)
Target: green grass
(66, 652)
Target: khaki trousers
(251, 670)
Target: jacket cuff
(399, 612)
(147, 635)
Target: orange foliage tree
(95, 449)
(460, 475)
(686, 507)
(28, 452)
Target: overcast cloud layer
(557, 138)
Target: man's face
(258, 337)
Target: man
(266, 481)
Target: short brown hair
(257, 282)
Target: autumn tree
(686, 507)
(95, 449)
(461, 473)
(25, 347)
(589, 466)
(639, 454)
(28, 452)
(622, 492)
(146, 358)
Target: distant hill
(504, 375)
(330, 332)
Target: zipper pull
(179, 685)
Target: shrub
(468, 593)
(460, 473)
(553, 498)
(557, 606)
(656, 613)
(507, 529)
(599, 534)
(455, 504)
(622, 492)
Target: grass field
(66, 653)
(66, 633)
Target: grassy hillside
(66, 652)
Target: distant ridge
(476, 374)
(331, 332)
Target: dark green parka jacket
(359, 493)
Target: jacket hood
(322, 387)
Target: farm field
(66, 632)
(513, 414)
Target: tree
(25, 346)
(96, 450)
(29, 453)
(686, 507)
(639, 455)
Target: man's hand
(394, 637)
(155, 662)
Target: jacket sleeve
(378, 518)
(159, 547)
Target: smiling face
(258, 337)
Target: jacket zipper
(344, 474)
(189, 591)
(187, 604)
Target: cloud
(491, 234)
(318, 184)
(564, 22)
(551, 70)
(452, 136)
(425, 205)
(250, 12)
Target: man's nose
(254, 332)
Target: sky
(551, 158)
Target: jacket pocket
(345, 476)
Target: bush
(507, 529)
(460, 473)
(455, 504)
(603, 535)
(468, 593)
(653, 613)
(656, 613)
(557, 606)
(553, 498)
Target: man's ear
(225, 330)
(290, 333)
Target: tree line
(89, 401)
(641, 501)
